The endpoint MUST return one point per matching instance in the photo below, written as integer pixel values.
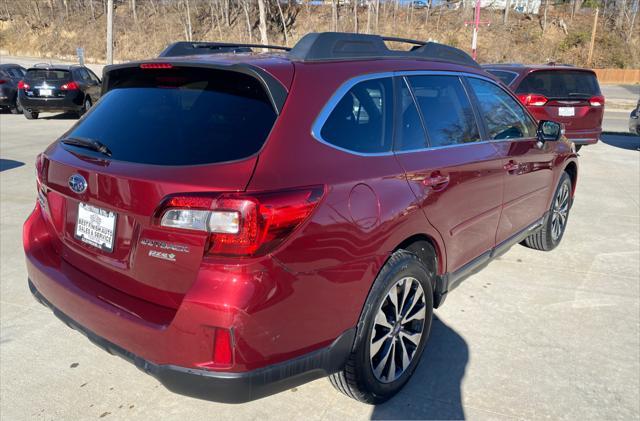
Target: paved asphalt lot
(535, 335)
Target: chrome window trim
(350, 83)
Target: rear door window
(362, 120)
(503, 116)
(410, 134)
(504, 76)
(179, 117)
(446, 110)
(560, 84)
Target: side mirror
(549, 131)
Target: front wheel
(392, 331)
(30, 115)
(549, 236)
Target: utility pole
(593, 37)
(110, 32)
(476, 25)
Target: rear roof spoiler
(276, 92)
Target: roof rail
(324, 46)
(187, 48)
(39, 65)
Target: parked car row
(235, 231)
(48, 88)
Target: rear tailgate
(47, 83)
(167, 133)
(573, 97)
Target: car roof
(521, 68)
(49, 66)
(9, 65)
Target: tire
(85, 107)
(16, 109)
(549, 236)
(405, 272)
(30, 115)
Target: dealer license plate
(96, 226)
(566, 111)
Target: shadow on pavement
(621, 140)
(433, 393)
(9, 164)
(63, 116)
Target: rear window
(47, 74)
(504, 76)
(560, 84)
(176, 116)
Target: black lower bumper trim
(227, 387)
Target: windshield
(560, 84)
(178, 116)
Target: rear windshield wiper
(85, 142)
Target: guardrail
(626, 76)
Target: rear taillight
(71, 86)
(156, 66)
(532, 99)
(596, 101)
(23, 85)
(241, 225)
(2, 81)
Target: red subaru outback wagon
(239, 224)
(562, 93)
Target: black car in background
(53, 88)
(10, 76)
(634, 120)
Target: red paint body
(309, 290)
(583, 128)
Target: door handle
(512, 166)
(436, 181)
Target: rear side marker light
(532, 99)
(596, 101)
(71, 86)
(222, 352)
(2, 81)
(241, 225)
(156, 66)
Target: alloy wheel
(397, 330)
(560, 211)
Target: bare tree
(245, 7)
(369, 16)
(284, 23)
(355, 16)
(93, 13)
(334, 15)
(133, 10)
(262, 10)
(505, 17)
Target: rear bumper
(583, 137)
(72, 102)
(227, 387)
(274, 349)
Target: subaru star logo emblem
(77, 183)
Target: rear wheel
(392, 331)
(85, 107)
(552, 231)
(16, 109)
(30, 115)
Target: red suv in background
(239, 224)
(566, 94)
